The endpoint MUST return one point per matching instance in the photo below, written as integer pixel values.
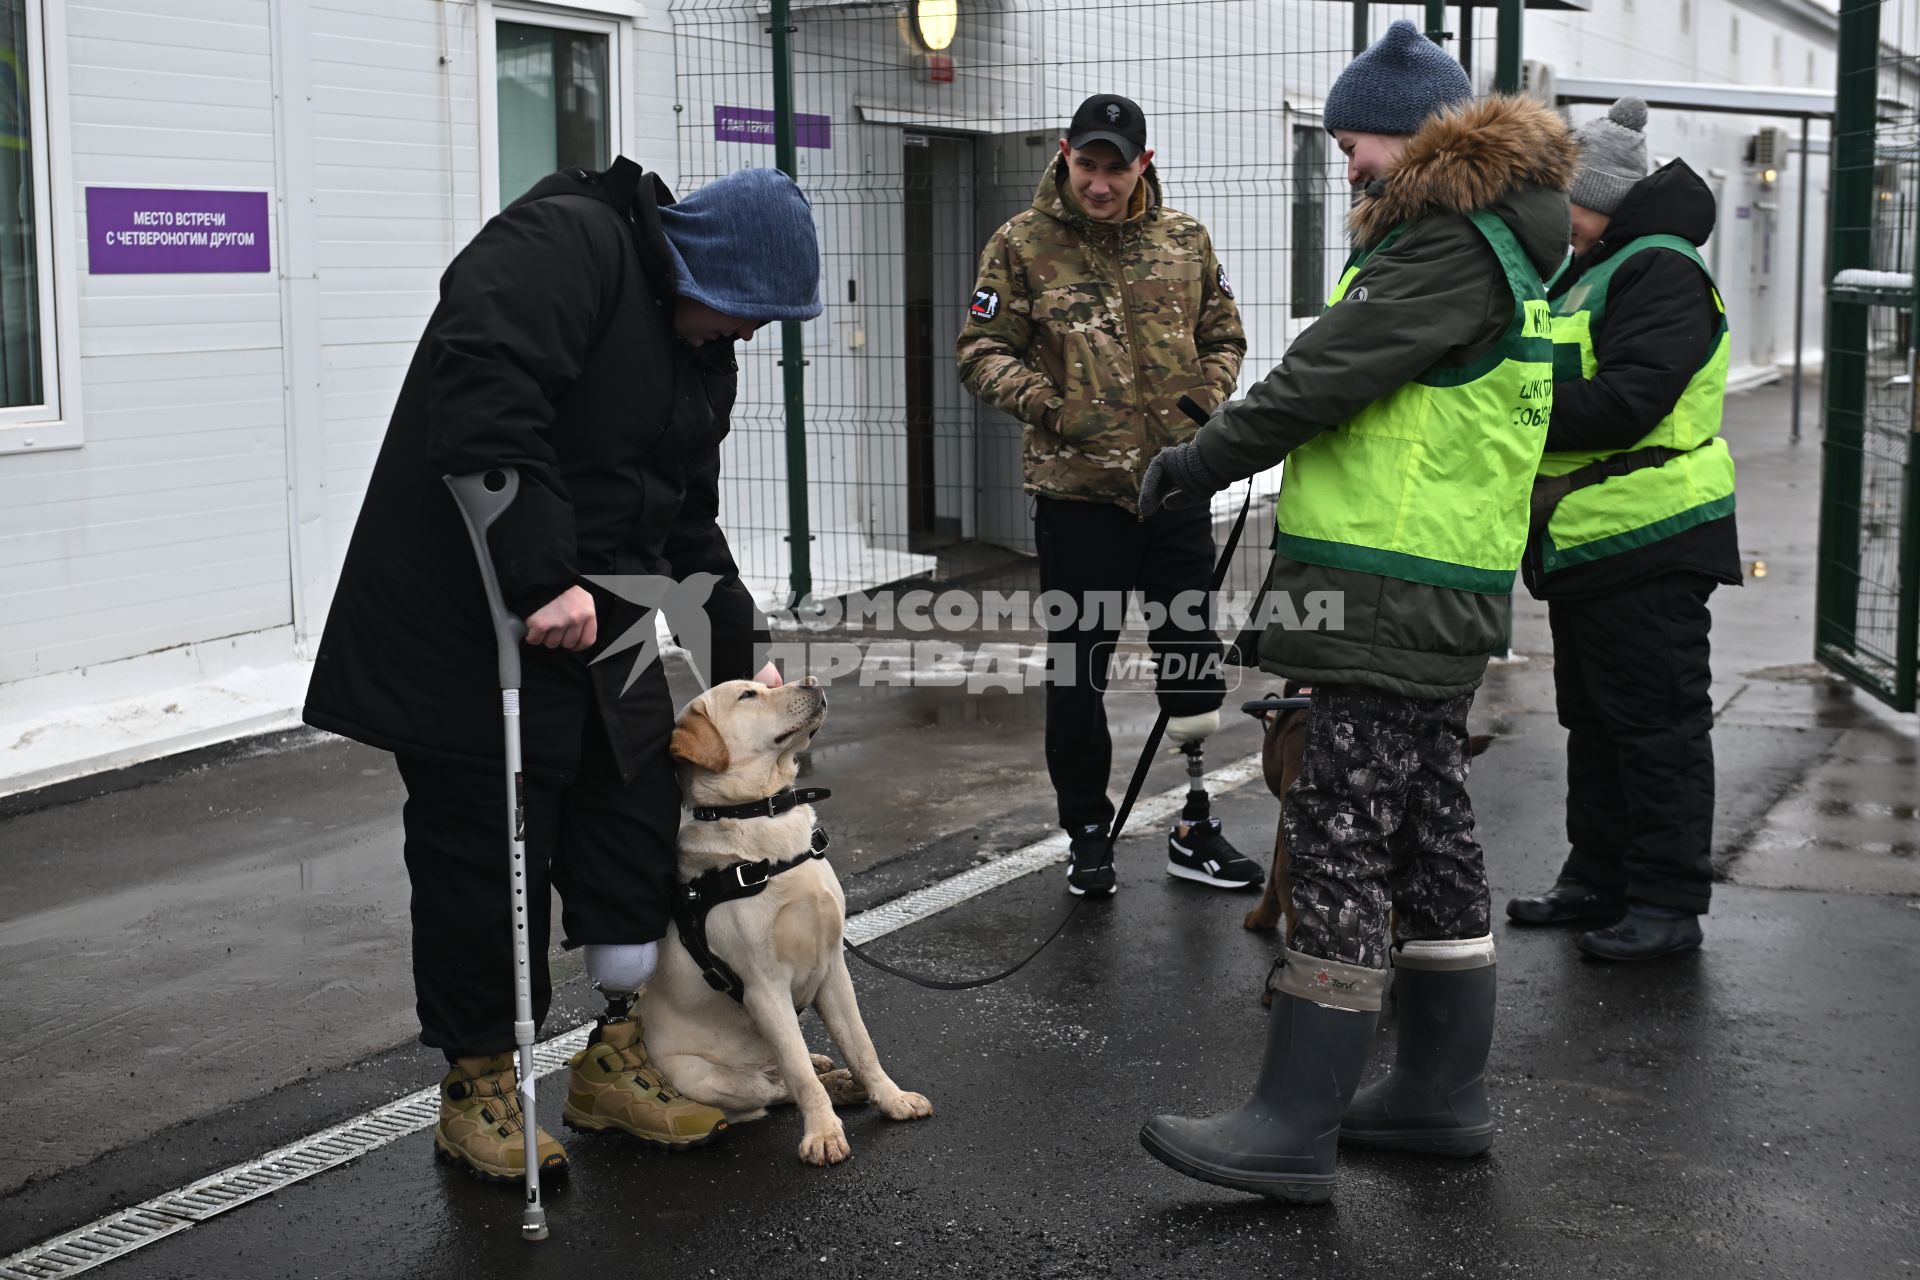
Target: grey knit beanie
(745, 245)
(1393, 87)
(1613, 156)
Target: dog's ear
(697, 740)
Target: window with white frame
(555, 95)
(1309, 174)
(27, 382)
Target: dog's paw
(906, 1106)
(825, 1148)
(842, 1089)
(1262, 919)
(821, 1063)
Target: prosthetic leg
(1196, 848)
(612, 1085)
(1197, 807)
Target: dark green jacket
(1435, 296)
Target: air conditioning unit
(1768, 149)
(1537, 81)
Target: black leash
(1140, 771)
(942, 984)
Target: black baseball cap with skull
(1108, 117)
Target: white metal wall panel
(396, 156)
(168, 526)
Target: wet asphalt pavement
(205, 967)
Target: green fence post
(793, 364)
(1907, 643)
(1360, 27)
(1506, 64)
(1506, 79)
(1436, 20)
(1850, 239)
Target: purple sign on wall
(751, 124)
(165, 231)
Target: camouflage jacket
(1088, 332)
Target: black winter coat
(552, 350)
(1660, 327)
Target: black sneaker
(1203, 854)
(1090, 864)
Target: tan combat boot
(480, 1122)
(614, 1085)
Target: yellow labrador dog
(736, 746)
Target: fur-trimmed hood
(1468, 158)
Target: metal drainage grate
(123, 1232)
(92, 1245)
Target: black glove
(1177, 477)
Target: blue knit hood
(745, 245)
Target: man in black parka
(1629, 611)
(584, 337)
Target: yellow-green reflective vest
(1430, 483)
(1643, 506)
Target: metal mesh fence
(1868, 550)
(912, 158)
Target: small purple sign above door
(168, 231)
(751, 124)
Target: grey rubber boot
(1284, 1142)
(1435, 1100)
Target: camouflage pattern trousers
(1379, 822)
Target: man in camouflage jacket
(1094, 312)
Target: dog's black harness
(771, 807)
(709, 889)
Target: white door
(1007, 168)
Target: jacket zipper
(1133, 346)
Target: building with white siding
(186, 426)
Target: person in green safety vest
(1634, 530)
(1411, 416)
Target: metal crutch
(482, 498)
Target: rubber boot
(612, 1084)
(1644, 933)
(1435, 1100)
(1284, 1142)
(480, 1123)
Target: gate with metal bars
(1868, 595)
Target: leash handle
(1260, 706)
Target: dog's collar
(709, 889)
(770, 807)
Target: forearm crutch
(482, 498)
